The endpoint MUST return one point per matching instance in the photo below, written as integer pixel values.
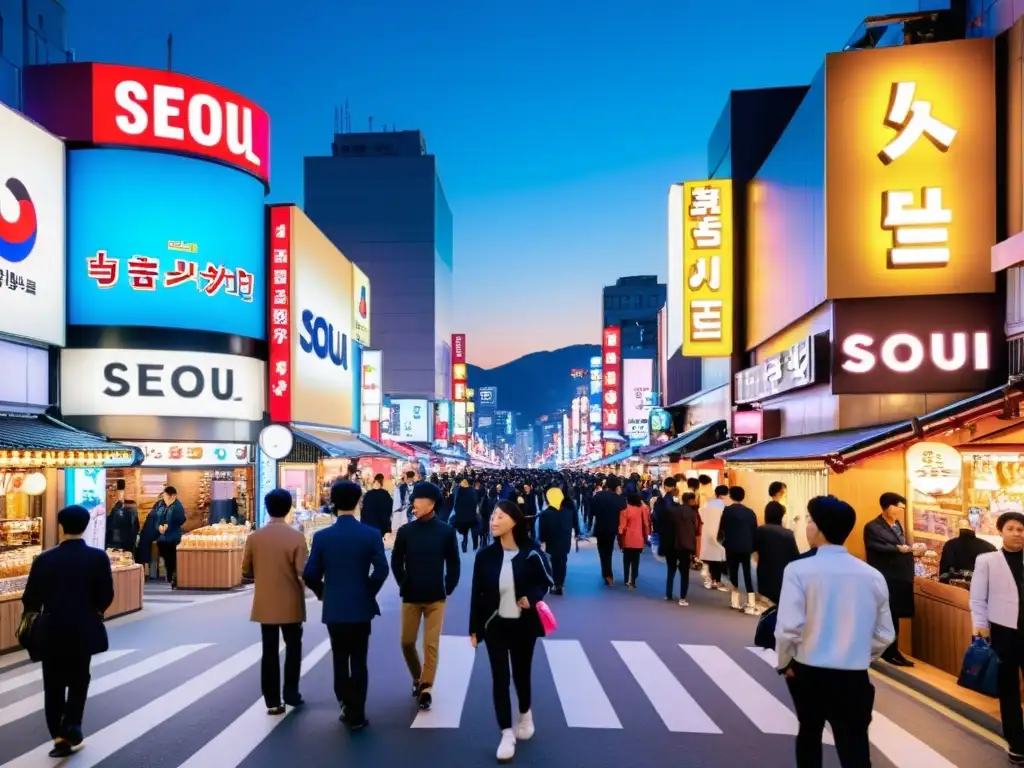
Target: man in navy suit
(346, 570)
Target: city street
(627, 680)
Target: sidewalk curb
(966, 711)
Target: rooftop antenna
(348, 118)
(337, 120)
(170, 52)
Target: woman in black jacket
(509, 578)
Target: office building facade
(31, 32)
(633, 304)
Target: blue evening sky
(558, 124)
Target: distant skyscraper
(633, 304)
(31, 32)
(379, 199)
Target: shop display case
(211, 557)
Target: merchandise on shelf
(217, 536)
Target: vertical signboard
(280, 353)
(360, 307)
(707, 268)
(611, 386)
(460, 429)
(637, 389)
(372, 398)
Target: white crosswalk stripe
(583, 700)
(35, 674)
(454, 674)
(901, 747)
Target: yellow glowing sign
(910, 170)
(707, 268)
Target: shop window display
(21, 527)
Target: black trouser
(169, 552)
(350, 644)
(559, 565)
(842, 698)
(734, 560)
(716, 568)
(605, 548)
(510, 641)
(465, 538)
(270, 667)
(630, 565)
(1009, 647)
(65, 687)
(678, 561)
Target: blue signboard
(164, 241)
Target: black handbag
(29, 629)
(764, 635)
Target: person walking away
(996, 615)
(275, 557)
(529, 506)
(510, 577)
(685, 532)
(775, 547)
(588, 497)
(487, 502)
(377, 506)
(606, 508)
(122, 523)
(170, 517)
(833, 621)
(557, 524)
(777, 494)
(69, 587)
(885, 544)
(466, 520)
(736, 533)
(346, 569)
(425, 561)
(712, 553)
(634, 528)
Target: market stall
(211, 557)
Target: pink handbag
(547, 618)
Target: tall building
(379, 199)
(633, 304)
(524, 447)
(31, 32)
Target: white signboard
(26, 374)
(31, 231)
(195, 454)
(411, 421)
(637, 387)
(132, 382)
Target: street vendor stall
(211, 557)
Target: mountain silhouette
(538, 383)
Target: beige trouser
(433, 617)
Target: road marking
(36, 674)
(236, 742)
(34, 703)
(584, 702)
(10, 659)
(762, 709)
(675, 706)
(903, 749)
(454, 671)
(115, 736)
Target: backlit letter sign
(611, 386)
(707, 268)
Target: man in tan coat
(275, 556)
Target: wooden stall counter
(208, 568)
(942, 624)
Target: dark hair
(345, 495)
(692, 483)
(120, 484)
(1007, 517)
(737, 494)
(519, 532)
(704, 479)
(774, 513)
(669, 482)
(278, 502)
(689, 497)
(410, 473)
(170, 490)
(890, 499)
(776, 487)
(74, 519)
(611, 483)
(378, 478)
(634, 499)
(722, 490)
(833, 517)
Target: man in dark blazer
(346, 569)
(70, 586)
(885, 544)
(377, 506)
(605, 509)
(736, 534)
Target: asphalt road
(627, 680)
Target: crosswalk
(591, 681)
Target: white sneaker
(507, 746)
(751, 610)
(708, 585)
(525, 729)
(683, 603)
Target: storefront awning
(48, 441)
(828, 448)
(708, 453)
(624, 455)
(694, 439)
(344, 445)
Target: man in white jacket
(712, 554)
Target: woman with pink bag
(507, 614)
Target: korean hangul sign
(707, 268)
(279, 365)
(934, 469)
(611, 375)
(910, 187)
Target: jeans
(1009, 647)
(350, 644)
(432, 615)
(630, 565)
(605, 549)
(734, 560)
(65, 688)
(559, 566)
(509, 641)
(842, 698)
(270, 666)
(678, 561)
